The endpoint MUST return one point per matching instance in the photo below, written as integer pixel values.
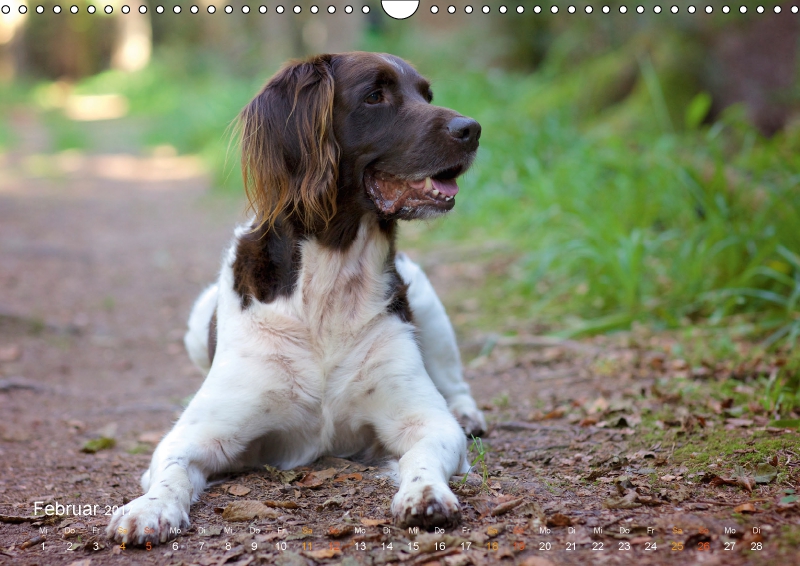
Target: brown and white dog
(318, 339)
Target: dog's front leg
(439, 348)
(412, 421)
(227, 413)
(163, 510)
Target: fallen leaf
(375, 522)
(765, 473)
(533, 510)
(316, 479)
(96, 444)
(737, 423)
(337, 501)
(282, 504)
(559, 520)
(340, 532)
(667, 478)
(785, 423)
(10, 353)
(345, 477)
(554, 414)
(629, 501)
(247, 511)
(281, 476)
(239, 490)
(151, 437)
(324, 553)
(745, 508)
(506, 507)
(84, 562)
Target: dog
(318, 337)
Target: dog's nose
(464, 129)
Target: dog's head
(352, 132)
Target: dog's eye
(430, 96)
(374, 97)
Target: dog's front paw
(147, 519)
(468, 415)
(426, 506)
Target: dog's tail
(197, 337)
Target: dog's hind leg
(439, 349)
(197, 335)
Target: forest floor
(613, 450)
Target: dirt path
(100, 260)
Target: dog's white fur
(325, 371)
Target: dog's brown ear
(289, 153)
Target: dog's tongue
(447, 187)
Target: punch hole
(691, 9)
(434, 9)
(23, 9)
(742, 9)
(709, 9)
(56, 9)
(606, 9)
(725, 9)
(245, 9)
(73, 9)
(657, 9)
(365, 9)
(39, 9)
(194, 9)
(520, 9)
(468, 9)
(674, 9)
(331, 9)
(503, 9)
(159, 9)
(554, 9)
(348, 9)
(211, 9)
(640, 9)
(537, 9)
(486, 9)
(126, 9)
(108, 9)
(229, 9)
(588, 9)
(176, 9)
(623, 9)
(571, 9)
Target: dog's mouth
(392, 194)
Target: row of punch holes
(211, 9)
